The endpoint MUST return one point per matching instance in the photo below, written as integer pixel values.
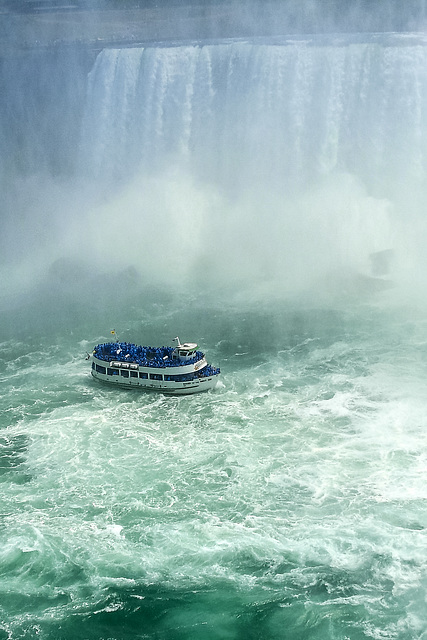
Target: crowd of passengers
(143, 356)
(207, 371)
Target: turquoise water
(288, 503)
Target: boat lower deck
(176, 384)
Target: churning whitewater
(266, 200)
(292, 497)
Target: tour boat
(174, 370)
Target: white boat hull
(155, 380)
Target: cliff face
(116, 26)
(41, 23)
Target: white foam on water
(302, 475)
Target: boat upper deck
(145, 356)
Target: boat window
(156, 376)
(125, 374)
(100, 369)
(112, 372)
(143, 375)
(183, 377)
(134, 374)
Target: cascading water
(209, 191)
(253, 125)
(290, 111)
(313, 148)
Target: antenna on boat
(113, 332)
(177, 340)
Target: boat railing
(142, 356)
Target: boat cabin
(185, 351)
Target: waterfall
(309, 152)
(292, 111)
(242, 161)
